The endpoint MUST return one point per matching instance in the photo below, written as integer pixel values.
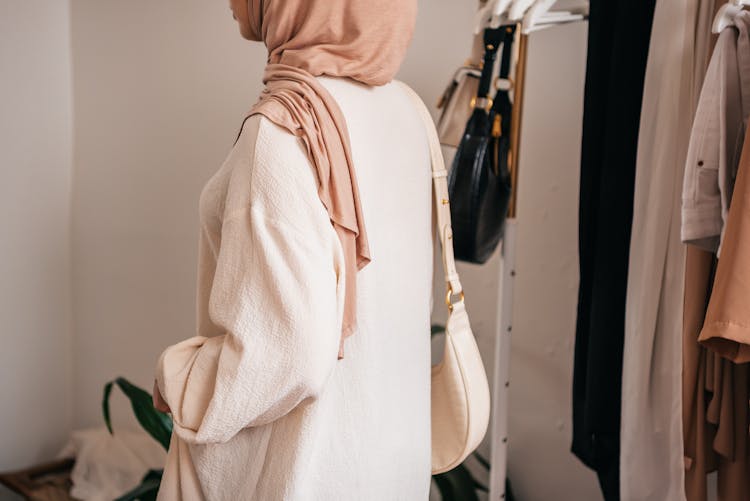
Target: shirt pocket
(706, 191)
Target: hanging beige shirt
(716, 138)
(262, 408)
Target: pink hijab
(365, 40)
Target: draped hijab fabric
(358, 39)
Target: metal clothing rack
(537, 16)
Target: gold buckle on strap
(484, 102)
(448, 295)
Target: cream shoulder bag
(460, 393)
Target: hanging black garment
(618, 40)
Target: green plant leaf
(480, 486)
(445, 488)
(481, 460)
(477, 484)
(105, 406)
(147, 489)
(150, 474)
(456, 485)
(157, 424)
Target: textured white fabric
(109, 465)
(651, 449)
(262, 407)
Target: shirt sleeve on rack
(713, 152)
(277, 296)
(701, 197)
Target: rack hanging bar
(551, 20)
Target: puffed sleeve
(277, 296)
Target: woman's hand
(159, 403)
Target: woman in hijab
(309, 377)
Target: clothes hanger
(520, 7)
(726, 13)
(534, 15)
(539, 16)
(491, 15)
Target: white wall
(159, 91)
(35, 162)
(546, 284)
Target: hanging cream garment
(651, 450)
(263, 409)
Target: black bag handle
(501, 102)
(493, 37)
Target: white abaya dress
(262, 408)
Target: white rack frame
(501, 372)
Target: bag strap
(493, 38)
(501, 102)
(502, 109)
(440, 197)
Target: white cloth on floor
(107, 466)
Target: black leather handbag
(479, 182)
